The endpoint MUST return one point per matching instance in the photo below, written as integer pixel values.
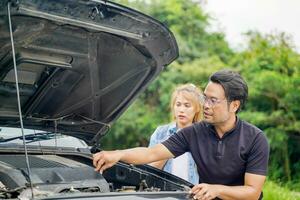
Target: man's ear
(234, 105)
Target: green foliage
(133, 128)
(273, 191)
(271, 67)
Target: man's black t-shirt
(223, 160)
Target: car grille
(19, 161)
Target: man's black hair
(233, 84)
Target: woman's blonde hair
(192, 93)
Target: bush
(273, 191)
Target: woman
(186, 109)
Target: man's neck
(226, 126)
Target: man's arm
(140, 155)
(251, 190)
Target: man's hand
(105, 159)
(205, 191)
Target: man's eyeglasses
(211, 101)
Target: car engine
(63, 173)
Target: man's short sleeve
(177, 144)
(257, 162)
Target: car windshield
(37, 137)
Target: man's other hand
(205, 191)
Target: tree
(272, 68)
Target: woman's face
(184, 111)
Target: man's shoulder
(200, 124)
(248, 126)
(251, 130)
(203, 125)
(197, 127)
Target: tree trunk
(287, 169)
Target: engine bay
(66, 173)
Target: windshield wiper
(32, 137)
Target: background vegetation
(270, 65)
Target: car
(79, 65)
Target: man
(231, 154)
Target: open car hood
(80, 63)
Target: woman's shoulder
(161, 133)
(165, 130)
(166, 127)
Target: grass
(274, 191)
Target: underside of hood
(80, 63)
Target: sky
(235, 17)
